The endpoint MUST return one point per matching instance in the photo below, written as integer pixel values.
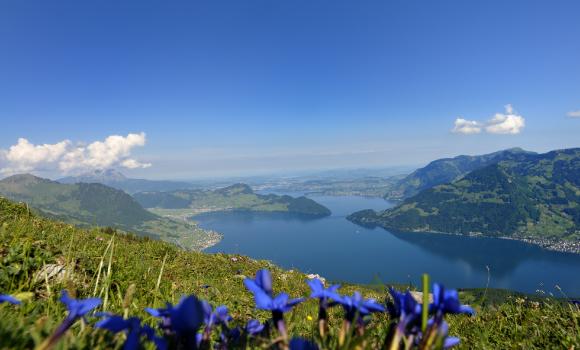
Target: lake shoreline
(559, 246)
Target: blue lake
(342, 251)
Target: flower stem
(278, 318)
(425, 308)
(322, 320)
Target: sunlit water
(342, 251)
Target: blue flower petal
(450, 342)
(254, 327)
(187, 316)
(78, 308)
(113, 324)
(9, 299)
(264, 280)
(302, 344)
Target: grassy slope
(27, 242)
(95, 204)
(536, 197)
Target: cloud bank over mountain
(69, 158)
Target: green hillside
(239, 197)
(131, 273)
(96, 204)
(537, 196)
(446, 170)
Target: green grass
(107, 264)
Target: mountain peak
(517, 150)
(235, 189)
(24, 179)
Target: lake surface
(342, 251)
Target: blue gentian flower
(263, 281)
(447, 302)
(254, 327)
(302, 344)
(186, 316)
(211, 318)
(261, 287)
(181, 321)
(9, 299)
(318, 290)
(437, 333)
(76, 309)
(448, 342)
(281, 303)
(355, 304)
(407, 312)
(134, 329)
(229, 336)
(323, 295)
(404, 306)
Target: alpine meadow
(289, 175)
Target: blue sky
(244, 87)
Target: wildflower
(211, 319)
(76, 309)
(407, 313)
(318, 290)
(356, 305)
(134, 329)
(356, 308)
(220, 316)
(261, 287)
(447, 302)
(436, 335)
(404, 306)
(262, 281)
(323, 294)
(302, 344)
(181, 321)
(279, 304)
(9, 299)
(254, 327)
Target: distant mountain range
(446, 170)
(89, 204)
(238, 197)
(522, 194)
(116, 179)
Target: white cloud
(467, 127)
(24, 156)
(114, 151)
(509, 123)
(574, 114)
(133, 164)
